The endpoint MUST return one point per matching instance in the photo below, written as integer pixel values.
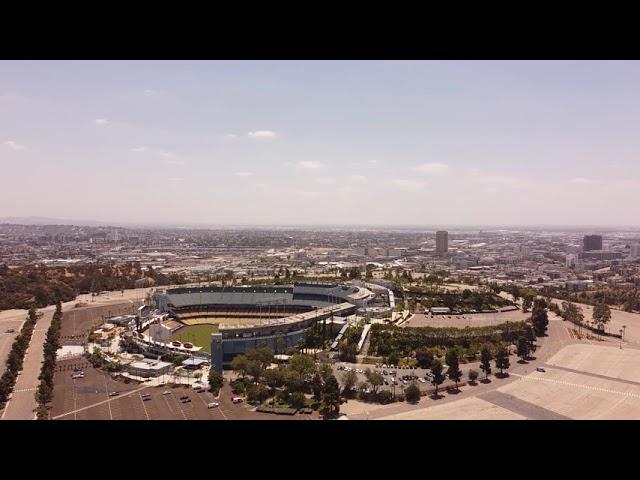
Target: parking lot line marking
(75, 403)
(180, 407)
(99, 403)
(106, 391)
(168, 405)
(144, 406)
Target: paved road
(520, 407)
(23, 403)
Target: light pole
(622, 334)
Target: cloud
(495, 179)
(581, 180)
(101, 121)
(170, 158)
(326, 180)
(171, 161)
(305, 193)
(14, 145)
(432, 168)
(243, 174)
(310, 164)
(262, 134)
(358, 178)
(407, 184)
(230, 136)
(148, 92)
(167, 154)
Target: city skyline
(321, 143)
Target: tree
(424, 357)
(473, 376)
(502, 359)
(526, 303)
(523, 348)
(393, 358)
(349, 380)
(412, 393)
(316, 386)
(215, 381)
(293, 382)
(331, 397)
(262, 355)
(240, 365)
(375, 379)
(539, 317)
(453, 362)
(274, 378)
(485, 361)
(437, 377)
(601, 315)
(303, 365)
(325, 371)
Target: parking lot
(88, 398)
(400, 378)
(466, 320)
(77, 322)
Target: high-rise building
(635, 250)
(592, 242)
(571, 260)
(442, 241)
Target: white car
(167, 392)
(422, 380)
(213, 405)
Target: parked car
(237, 399)
(11, 330)
(167, 392)
(114, 394)
(213, 405)
(186, 400)
(540, 369)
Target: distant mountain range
(93, 223)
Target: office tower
(442, 241)
(592, 242)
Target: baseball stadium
(226, 321)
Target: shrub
(412, 393)
(298, 400)
(385, 397)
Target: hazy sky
(264, 142)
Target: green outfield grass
(199, 335)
